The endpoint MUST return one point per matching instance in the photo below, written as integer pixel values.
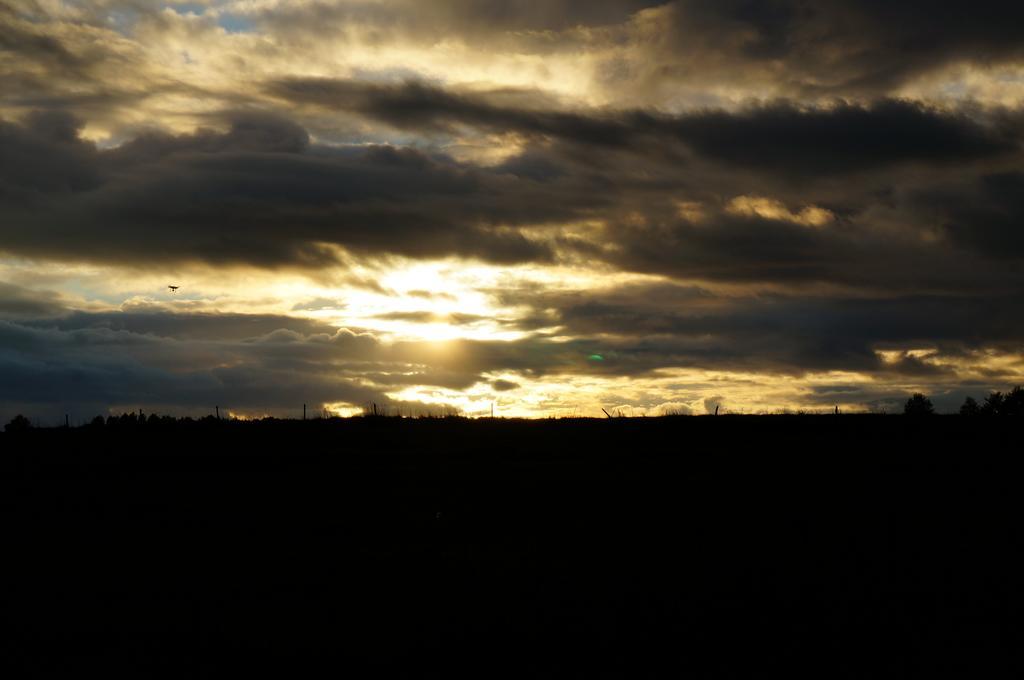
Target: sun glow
(398, 299)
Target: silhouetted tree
(1013, 403)
(19, 423)
(97, 422)
(970, 407)
(993, 405)
(918, 405)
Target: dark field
(848, 546)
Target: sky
(548, 207)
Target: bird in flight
(173, 288)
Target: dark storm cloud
(424, 108)
(43, 156)
(986, 215)
(840, 46)
(94, 370)
(640, 329)
(261, 194)
(849, 252)
(782, 136)
(903, 320)
(843, 138)
(163, 323)
(251, 132)
(16, 301)
(180, 363)
(257, 194)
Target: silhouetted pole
(606, 413)
(492, 409)
(66, 420)
(374, 408)
(716, 408)
(303, 411)
(837, 409)
(217, 409)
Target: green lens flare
(596, 357)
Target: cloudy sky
(552, 206)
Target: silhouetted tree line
(130, 420)
(996, 404)
(125, 421)
(19, 423)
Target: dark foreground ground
(845, 547)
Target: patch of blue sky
(232, 23)
(122, 21)
(236, 23)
